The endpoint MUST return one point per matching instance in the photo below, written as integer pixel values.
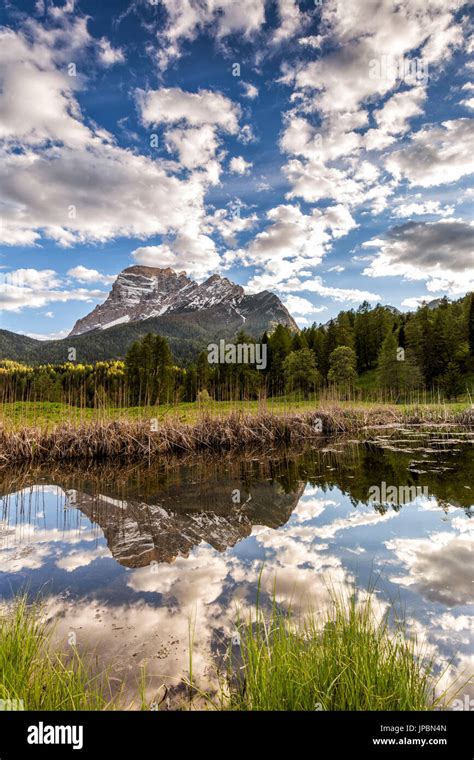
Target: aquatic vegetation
(352, 662)
(144, 438)
(34, 676)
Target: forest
(369, 353)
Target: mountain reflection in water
(127, 555)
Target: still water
(130, 559)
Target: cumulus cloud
(229, 222)
(91, 194)
(238, 165)
(190, 249)
(172, 105)
(292, 20)
(83, 274)
(413, 207)
(67, 180)
(249, 90)
(436, 154)
(109, 55)
(193, 122)
(441, 253)
(312, 40)
(37, 101)
(292, 241)
(395, 115)
(33, 288)
(338, 160)
(195, 146)
(436, 566)
(185, 19)
(301, 306)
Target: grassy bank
(351, 662)
(35, 676)
(145, 436)
(46, 414)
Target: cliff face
(141, 293)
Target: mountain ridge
(140, 293)
(189, 315)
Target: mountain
(142, 293)
(436, 302)
(145, 299)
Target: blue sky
(322, 150)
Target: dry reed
(129, 440)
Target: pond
(131, 559)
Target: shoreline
(149, 438)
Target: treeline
(87, 385)
(379, 352)
(369, 353)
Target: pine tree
(342, 369)
(470, 326)
(301, 373)
(396, 371)
(452, 381)
(279, 344)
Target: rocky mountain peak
(141, 292)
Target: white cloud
(249, 90)
(187, 18)
(32, 288)
(238, 165)
(441, 253)
(81, 558)
(415, 301)
(189, 250)
(468, 103)
(92, 194)
(313, 40)
(109, 55)
(173, 105)
(246, 135)
(394, 116)
(57, 335)
(406, 208)
(339, 88)
(37, 99)
(292, 20)
(436, 154)
(293, 241)
(83, 274)
(65, 180)
(229, 223)
(352, 295)
(301, 306)
(436, 566)
(197, 118)
(196, 146)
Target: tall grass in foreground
(32, 672)
(354, 662)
